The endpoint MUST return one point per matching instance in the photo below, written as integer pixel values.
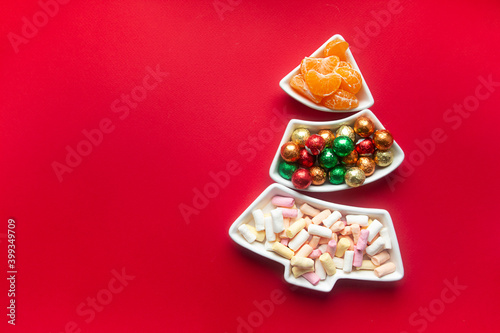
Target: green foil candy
(342, 146)
(337, 174)
(286, 169)
(327, 158)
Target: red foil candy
(315, 144)
(306, 160)
(301, 179)
(365, 147)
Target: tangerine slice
(341, 100)
(298, 83)
(351, 79)
(344, 64)
(321, 65)
(322, 84)
(336, 47)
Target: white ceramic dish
(364, 95)
(314, 127)
(263, 202)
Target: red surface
(119, 208)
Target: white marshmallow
(373, 229)
(298, 240)
(384, 234)
(332, 218)
(348, 258)
(362, 220)
(268, 222)
(247, 234)
(320, 231)
(319, 270)
(258, 217)
(376, 247)
(278, 224)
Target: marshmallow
(258, 217)
(319, 270)
(298, 240)
(355, 229)
(363, 238)
(268, 222)
(297, 271)
(376, 247)
(321, 216)
(339, 262)
(327, 262)
(384, 233)
(304, 251)
(268, 245)
(351, 242)
(246, 233)
(346, 231)
(314, 254)
(308, 221)
(282, 250)
(278, 223)
(348, 258)
(323, 248)
(337, 226)
(261, 235)
(332, 218)
(362, 220)
(331, 247)
(373, 229)
(278, 200)
(312, 277)
(295, 228)
(289, 212)
(367, 265)
(284, 241)
(302, 262)
(308, 210)
(320, 231)
(358, 258)
(342, 246)
(314, 241)
(381, 258)
(385, 269)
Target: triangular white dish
(314, 127)
(364, 95)
(263, 202)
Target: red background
(119, 208)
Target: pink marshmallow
(284, 241)
(282, 201)
(315, 254)
(312, 277)
(332, 247)
(362, 240)
(358, 258)
(289, 212)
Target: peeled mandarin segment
(322, 85)
(351, 79)
(307, 64)
(341, 100)
(336, 47)
(298, 83)
(321, 65)
(344, 64)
